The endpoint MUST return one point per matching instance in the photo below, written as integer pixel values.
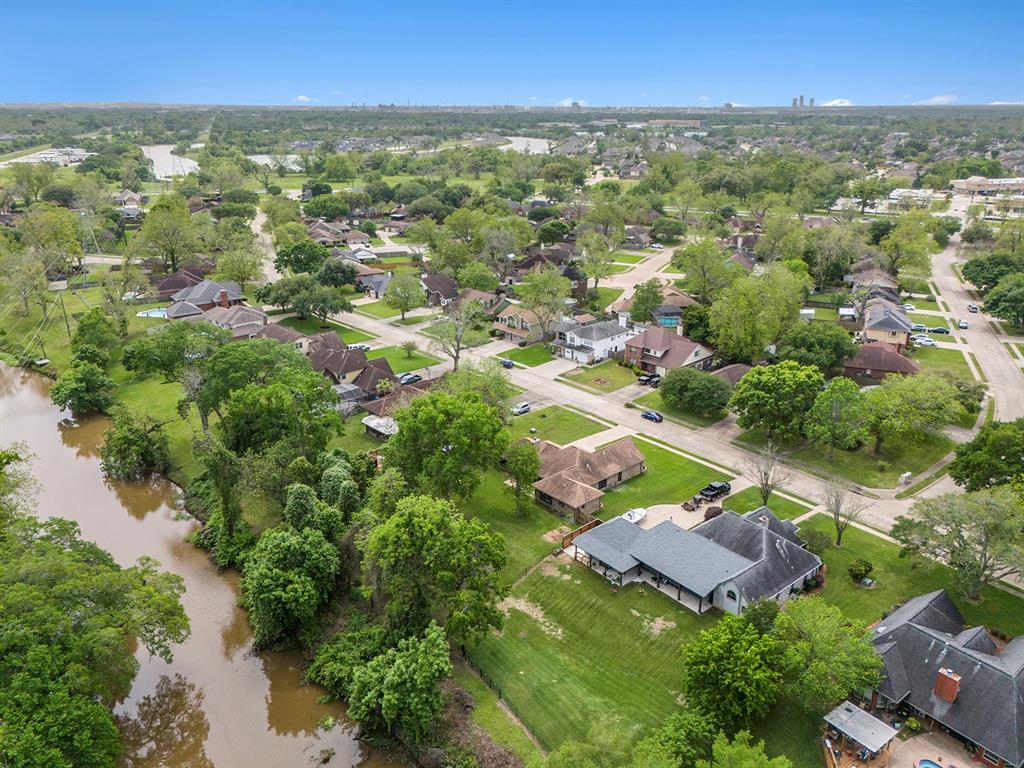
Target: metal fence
(497, 691)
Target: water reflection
(140, 499)
(169, 728)
(85, 436)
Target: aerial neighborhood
(512, 437)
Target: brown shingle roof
(678, 348)
(281, 333)
(881, 356)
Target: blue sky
(486, 52)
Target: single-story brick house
(572, 481)
(877, 359)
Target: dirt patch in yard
(556, 534)
(535, 612)
(549, 568)
(653, 625)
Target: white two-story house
(592, 342)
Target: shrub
(695, 390)
(274, 190)
(817, 541)
(860, 569)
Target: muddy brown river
(218, 703)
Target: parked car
(520, 409)
(363, 347)
(715, 490)
(919, 327)
(409, 378)
(961, 324)
(972, 308)
(909, 307)
(506, 363)
(654, 416)
(645, 379)
(925, 341)
(654, 381)
(939, 329)
(657, 246)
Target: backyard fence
(497, 692)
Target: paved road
(266, 244)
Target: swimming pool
(928, 764)
(158, 312)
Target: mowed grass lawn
(554, 423)
(608, 296)
(654, 401)
(400, 361)
(627, 258)
(492, 503)
(669, 479)
(535, 354)
(311, 326)
(936, 360)
(750, 498)
(377, 309)
(860, 466)
(574, 650)
(605, 377)
(900, 578)
(931, 321)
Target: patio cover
(864, 728)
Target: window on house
(730, 595)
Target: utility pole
(63, 309)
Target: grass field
(923, 304)
(669, 479)
(524, 536)
(900, 578)
(750, 498)
(311, 326)
(605, 377)
(931, 321)
(400, 361)
(574, 649)
(860, 466)
(353, 437)
(493, 719)
(687, 418)
(627, 258)
(535, 354)
(935, 360)
(608, 296)
(554, 423)
(827, 314)
(377, 309)
(616, 269)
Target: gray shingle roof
(610, 543)
(693, 561)
(208, 291)
(926, 634)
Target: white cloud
(1006, 103)
(837, 103)
(303, 99)
(568, 101)
(533, 98)
(335, 93)
(935, 100)
(703, 99)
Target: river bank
(217, 703)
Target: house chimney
(947, 685)
(222, 299)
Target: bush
(694, 390)
(273, 190)
(860, 569)
(133, 447)
(817, 541)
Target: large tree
(909, 245)
(168, 234)
(304, 255)
(776, 397)
(694, 390)
(732, 671)
(824, 345)
(979, 534)
(986, 270)
(84, 388)
(462, 327)
(842, 506)
(430, 563)
(756, 311)
(404, 291)
(445, 441)
(707, 268)
(837, 417)
(598, 262)
(1006, 299)
(825, 655)
(741, 752)
(646, 298)
(908, 409)
(51, 233)
(994, 456)
(544, 294)
(287, 580)
(522, 464)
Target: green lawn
(554, 423)
(535, 354)
(931, 321)
(934, 360)
(587, 650)
(400, 361)
(607, 296)
(860, 466)
(377, 309)
(922, 303)
(901, 578)
(827, 314)
(605, 377)
(311, 326)
(353, 437)
(617, 268)
(669, 479)
(687, 418)
(416, 320)
(493, 719)
(750, 498)
(525, 544)
(627, 258)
